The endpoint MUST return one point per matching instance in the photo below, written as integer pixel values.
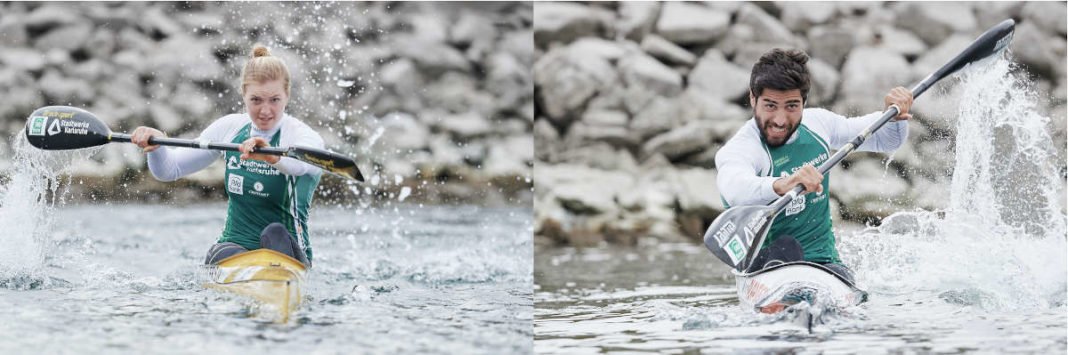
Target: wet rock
(669, 52)
(687, 23)
(697, 192)
(566, 80)
(719, 78)
(564, 22)
(800, 16)
(1035, 49)
(935, 21)
(636, 19)
(867, 76)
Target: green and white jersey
(747, 168)
(258, 193)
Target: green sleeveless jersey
(808, 217)
(260, 195)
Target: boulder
(643, 72)
(636, 19)
(868, 188)
(599, 155)
(185, 58)
(716, 77)
(22, 59)
(697, 193)
(660, 115)
(471, 28)
(940, 55)
(609, 50)
(13, 32)
(830, 44)
(509, 157)
(465, 126)
(800, 16)
(900, 41)
(58, 88)
(165, 117)
(935, 21)
(401, 76)
(1049, 16)
(669, 52)
(1037, 51)
(581, 190)
(990, 13)
(825, 81)
(432, 57)
(50, 16)
(546, 141)
(564, 22)
(767, 28)
(565, 80)
(687, 23)
(867, 76)
(681, 141)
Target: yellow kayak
(269, 277)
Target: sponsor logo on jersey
(236, 184)
(233, 163)
(796, 206)
(257, 190)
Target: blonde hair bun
(260, 50)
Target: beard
(774, 140)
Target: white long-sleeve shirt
(744, 166)
(172, 163)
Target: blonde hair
(263, 67)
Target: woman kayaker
(268, 196)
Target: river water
(126, 278)
(985, 273)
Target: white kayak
(779, 287)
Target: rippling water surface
(125, 278)
(987, 273)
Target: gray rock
(659, 116)
(509, 157)
(868, 74)
(22, 59)
(165, 118)
(58, 88)
(934, 21)
(990, 13)
(636, 19)
(154, 20)
(67, 38)
(825, 81)
(897, 40)
(697, 192)
(402, 76)
(680, 141)
(581, 190)
(768, 28)
(13, 32)
(737, 37)
(50, 16)
(402, 131)
(1049, 16)
(434, 58)
(466, 125)
(663, 49)
(566, 80)
(830, 44)
(564, 22)
(686, 23)
(101, 44)
(445, 151)
(471, 28)
(599, 155)
(644, 72)
(509, 79)
(716, 77)
(546, 141)
(609, 50)
(800, 16)
(1035, 50)
(185, 58)
(869, 189)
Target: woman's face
(266, 101)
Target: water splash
(1000, 244)
(27, 207)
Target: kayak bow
(271, 278)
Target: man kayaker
(268, 196)
(781, 146)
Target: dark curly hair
(783, 70)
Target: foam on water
(1000, 243)
(27, 204)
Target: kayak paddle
(735, 237)
(65, 127)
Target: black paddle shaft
(174, 142)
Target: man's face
(778, 113)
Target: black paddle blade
(732, 235)
(329, 161)
(993, 41)
(65, 127)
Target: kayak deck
(779, 287)
(271, 278)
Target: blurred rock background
(433, 99)
(633, 100)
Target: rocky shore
(634, 99)
(434, 99)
